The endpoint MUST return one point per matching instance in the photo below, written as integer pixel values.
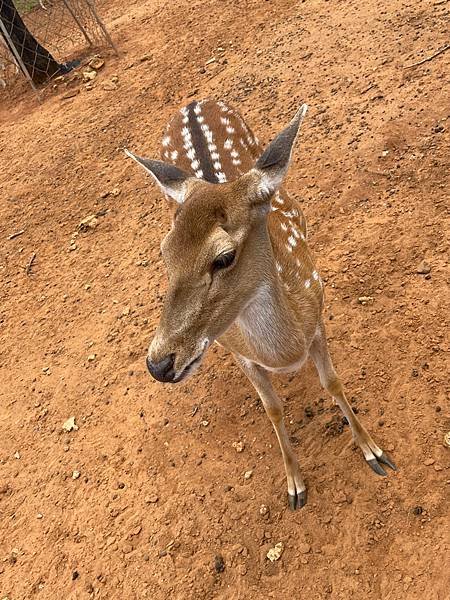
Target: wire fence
(38, 36)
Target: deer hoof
(297, 500)
(375, 466)
(384, 458)
(376, 462)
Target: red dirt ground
(161, 490)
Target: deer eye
(224, 260)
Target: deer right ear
(274, 162)
(170, 179)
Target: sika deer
(240, 270)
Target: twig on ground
(428, 58)
(367, 89)
(30, 264)
(16, 234)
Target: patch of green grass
(24, 6)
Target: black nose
(162, 370)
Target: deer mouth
(190, 368)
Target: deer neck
(265, 322)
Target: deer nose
(162, 370)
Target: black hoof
(384, 458)
(297, 500)
(375, 466)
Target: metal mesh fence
(37, 37)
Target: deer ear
(273, 163)
(170, 179)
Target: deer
(240, 272)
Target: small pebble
(248, 474)
(275, 553)
(151, 499)
(304, 548)
(424, 268)
(238, 446)
(76, 474)
(219, 564)
(428, 462)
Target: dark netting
(36, 36)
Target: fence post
(16, 54)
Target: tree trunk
(39, 62)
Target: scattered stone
(96, 63)
(238, 446)
(264, 510)
(87, 223)
(447, 439)
(304, 548)
(17, 455)
(219, 564)
(115, 191)
(275, 553)
(428, 462)
(76, 474)
(424, 268)
(204, 423)
(127, 548)
(70, 425)
(248, 474)
(109, 86)
(39, 516)
(91, 357)
(75, 575)
(339, 497)
(153, 499)
(70, 94)
(365, 300)
(210, 61)
(89, 75)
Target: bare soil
(147, 498)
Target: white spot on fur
(278, 267)
(236, 161)
(278, 198)
(195, 164)
(283, 226)
(166, 140)
(308, 283)
(197, 109)
(230, 129)
(174, 155)
(200, 119)
(190, 153)
(234, 154)
(199, 173)
(228, 144)
(315, 275)
(221, 177)
(225, 120)
(292, 241)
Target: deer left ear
(274, 162)
(170, 179)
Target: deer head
(217, 253)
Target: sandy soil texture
(147, 497)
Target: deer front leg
(274, 409)
(373, 454)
